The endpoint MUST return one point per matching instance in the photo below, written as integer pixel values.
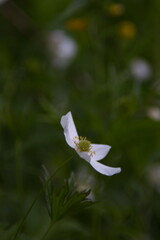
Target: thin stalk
(19, 166)
(37, 196)
(48, 230)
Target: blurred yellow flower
(115, 9)
(77, 24)
(127, 29)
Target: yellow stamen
(83, 145)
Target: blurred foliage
(110, 102)
(67, 200)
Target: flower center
(82, 144)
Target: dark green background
(108, 104)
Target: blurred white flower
(140, 69)
(85, 181)
(154, 113)
(62, 48)
(154, 175)
(3, 1)
(92, 153)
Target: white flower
(92, 153)
(62, 47)
(154, 113)
(154, 175)
(140, 69)
(2, 1)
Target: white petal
(109, 171)
(100, 151)
(84, 155)
(69, 129)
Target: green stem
(37, 196)
(48, 230)
(19, 176)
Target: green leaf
(65, 201)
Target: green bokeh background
(109, 106)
